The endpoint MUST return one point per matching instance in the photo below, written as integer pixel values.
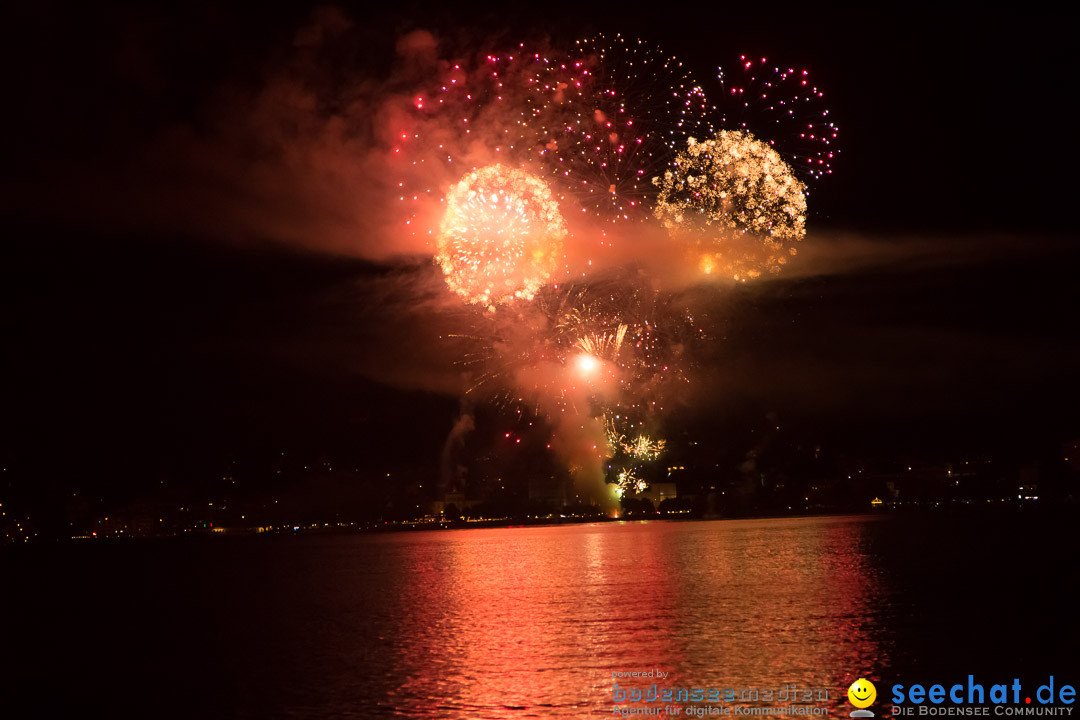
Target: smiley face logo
(862, 693)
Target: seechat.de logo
(862, 694)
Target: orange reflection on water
(540, 619)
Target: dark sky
(936, 303)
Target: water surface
(530, 622)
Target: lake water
(531, 622)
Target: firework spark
(737, 192)
(780, 104)
(501, 237)
(614, 112)
(644, 448)
(627, 482)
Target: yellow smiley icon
(862, 693)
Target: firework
(613, 127)
(501, 237)
(629, 455)
(643, 448)
(781, 105)
(737, 192)
(469, 111)
(627, 481)
(639, 333)
(616, 318)
(598, 362)
(612, 116)
(603, 343)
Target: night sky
(178, 288)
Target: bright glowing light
(587, 364)
(501, 237)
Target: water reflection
(533, 621)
